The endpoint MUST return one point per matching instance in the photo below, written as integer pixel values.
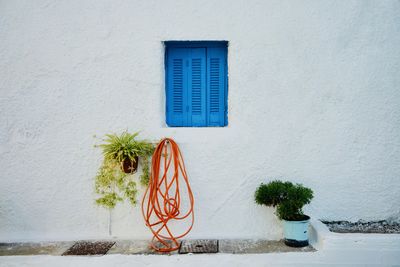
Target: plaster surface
(313, 98)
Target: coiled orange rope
(164, 196)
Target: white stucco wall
(313, 97)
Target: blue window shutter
(197, 87)
(196, 83)
(216, 68)
(176, 87)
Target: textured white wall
(313, 97)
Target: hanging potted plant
(114, 181)
(289, 200)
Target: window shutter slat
(197, 87)
(176, 89)
(216, 60)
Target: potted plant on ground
(288, 199)
(114, 181)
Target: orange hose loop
(164, 198)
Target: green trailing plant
(111, 183)
(145, 177)
(288, 199)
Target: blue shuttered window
(196, 84)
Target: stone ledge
(34, 248)
(138, 247)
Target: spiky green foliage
(125, 146)
(288, 198)
(111, 183)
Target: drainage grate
(89, 248)
(199, 246)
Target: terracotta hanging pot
(130, 166)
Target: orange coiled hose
(168, 178)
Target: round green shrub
(288, 199)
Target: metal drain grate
(89, 248)
(199, 246)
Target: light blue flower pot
(296, 232)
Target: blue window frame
(196, 83)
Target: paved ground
(310, 259)
(232, 253)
